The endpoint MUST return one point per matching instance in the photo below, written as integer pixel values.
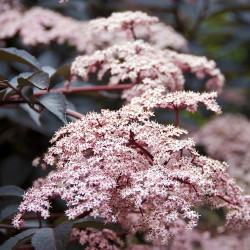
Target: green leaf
(62, 234)
(56, 103)
(32, 113)
(11, 191)
(39, 80)
(63, 71)
(16, 55)
(18, 240)
(8, 210)
(97, 223)
(44, 239)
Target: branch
(74, 113)
(35, 216)
(179, 25)
(85, 89)
(137, 145)
(21, 228)
(202, 15)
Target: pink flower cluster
(225, 138)
(206, 241)
(103, 239)
(123, 167)
(41, 26)
(8, 5)
(176, 101)
(126, 21)
(146, 67)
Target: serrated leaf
(11, 191)
(18, 240)
(44, 239)
(32, 113)
(17, 55)
(39, 80)
(97, 223)
(56, 103)
(8, 210)
(62, 234)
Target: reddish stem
(74, 113)
(35, 216)
(86, 89)
(133, 142)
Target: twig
(74, 113)
(133, 142)
(85, 89)
(35, 216)
(202, 15)
(178, 22)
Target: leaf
(2, 94)
(32, 113)
(62, 234)
(16, 55)
(56, 103)
(7, 93)
(39, 80)
(1, 78)
(97, 223)
(8, 210)
(18, 239)
(63, 71)
(49, 70)
(44, 239)
(52, 239)
(11, 191)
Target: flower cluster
(8, 5)
(146, 67)
(176, 101)
(224, 138)
(104, 239)
(123, 21)
(123, 167)
(41, 26)
(205, 241)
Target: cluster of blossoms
(176, 101)
(225, 138)
(146, 67)
(9, 4)
(103, 239)
(125, 168)
(205, 241)
(41, 26)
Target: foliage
(124, 177)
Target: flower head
(125, 168)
